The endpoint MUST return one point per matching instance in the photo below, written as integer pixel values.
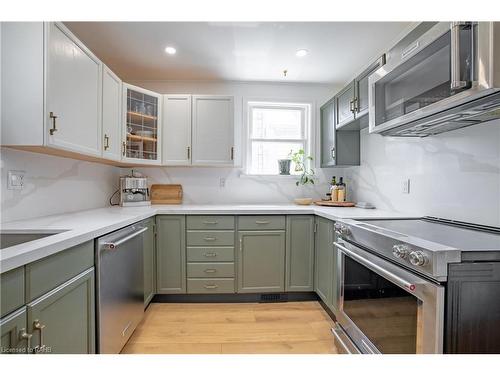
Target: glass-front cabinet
(142, 126)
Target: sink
(13, 238)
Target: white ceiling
(242, 51)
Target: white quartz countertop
(78, 227)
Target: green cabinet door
(323, 271)
(171, 254)
(149, 261)
(14, 337)
(299, 275)
(63, 320)
(261, 261)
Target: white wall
(202, 185)
(454, 175)
(53, 185)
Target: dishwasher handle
(115, 244)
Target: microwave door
(427, 76)
(386, 309)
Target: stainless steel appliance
(120, 287)
(395, 279)
(134, 190)
(441, 76)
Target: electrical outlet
(406, 186)
(222, 182)
(15, 180)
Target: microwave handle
(456, 83)
(382, 271)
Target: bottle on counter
(341, 191)
(334, 190)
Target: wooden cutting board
(166, 194)
(334, 204)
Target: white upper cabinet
(73, 103)
(213, 130)
(141, 132)
(111, 115)
(51, 89)
(177, 129)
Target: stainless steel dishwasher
(120, 287)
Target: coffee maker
(134, 190)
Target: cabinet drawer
(210, 270)
(48, 273)
(210, 222)
(261, 222)
(12, 290)
(215, 286)
(210, 238)
(210, 254)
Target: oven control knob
(418, 258)
(342, 229)
(400, 251)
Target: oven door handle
(382, 271)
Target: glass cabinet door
(142, 125)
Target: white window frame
(306, 136)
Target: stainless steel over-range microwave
(441, 76)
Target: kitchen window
(275, 130)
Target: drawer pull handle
(210, 270)
(210, 239)
(37, 326)
(210, 286)
(262, 222)
(211, 222)
(23, 335)
(210, 255)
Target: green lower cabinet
(171, 254)
(323, 270)
(149, 262)
(63, 320)
(299, 273)
(14, 337)
(11, 290)
(261, 261)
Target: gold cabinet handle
(210, 238)
(232, 153)
(211, 222)
(210, 255)
(106, 142)
(351, 105)
(189, 152)
(262, 222)
(53, 118)
(37, 326)
(210, 270)
(23, 335)
(355, 105)
(213, 286)
(333, 152)
(124, 148)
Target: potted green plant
(302, 161)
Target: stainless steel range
(417, 286)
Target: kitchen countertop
(81, 226)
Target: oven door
(383, 308)
(435, 72)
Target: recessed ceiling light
(301, 52)
(170, 50)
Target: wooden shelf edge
(142, 115)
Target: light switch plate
(15, 180)
(406, 186)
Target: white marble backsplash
(53, 185)
(454, 175)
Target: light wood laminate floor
(233, 328)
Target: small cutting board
(334, 204)
(166, 194)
